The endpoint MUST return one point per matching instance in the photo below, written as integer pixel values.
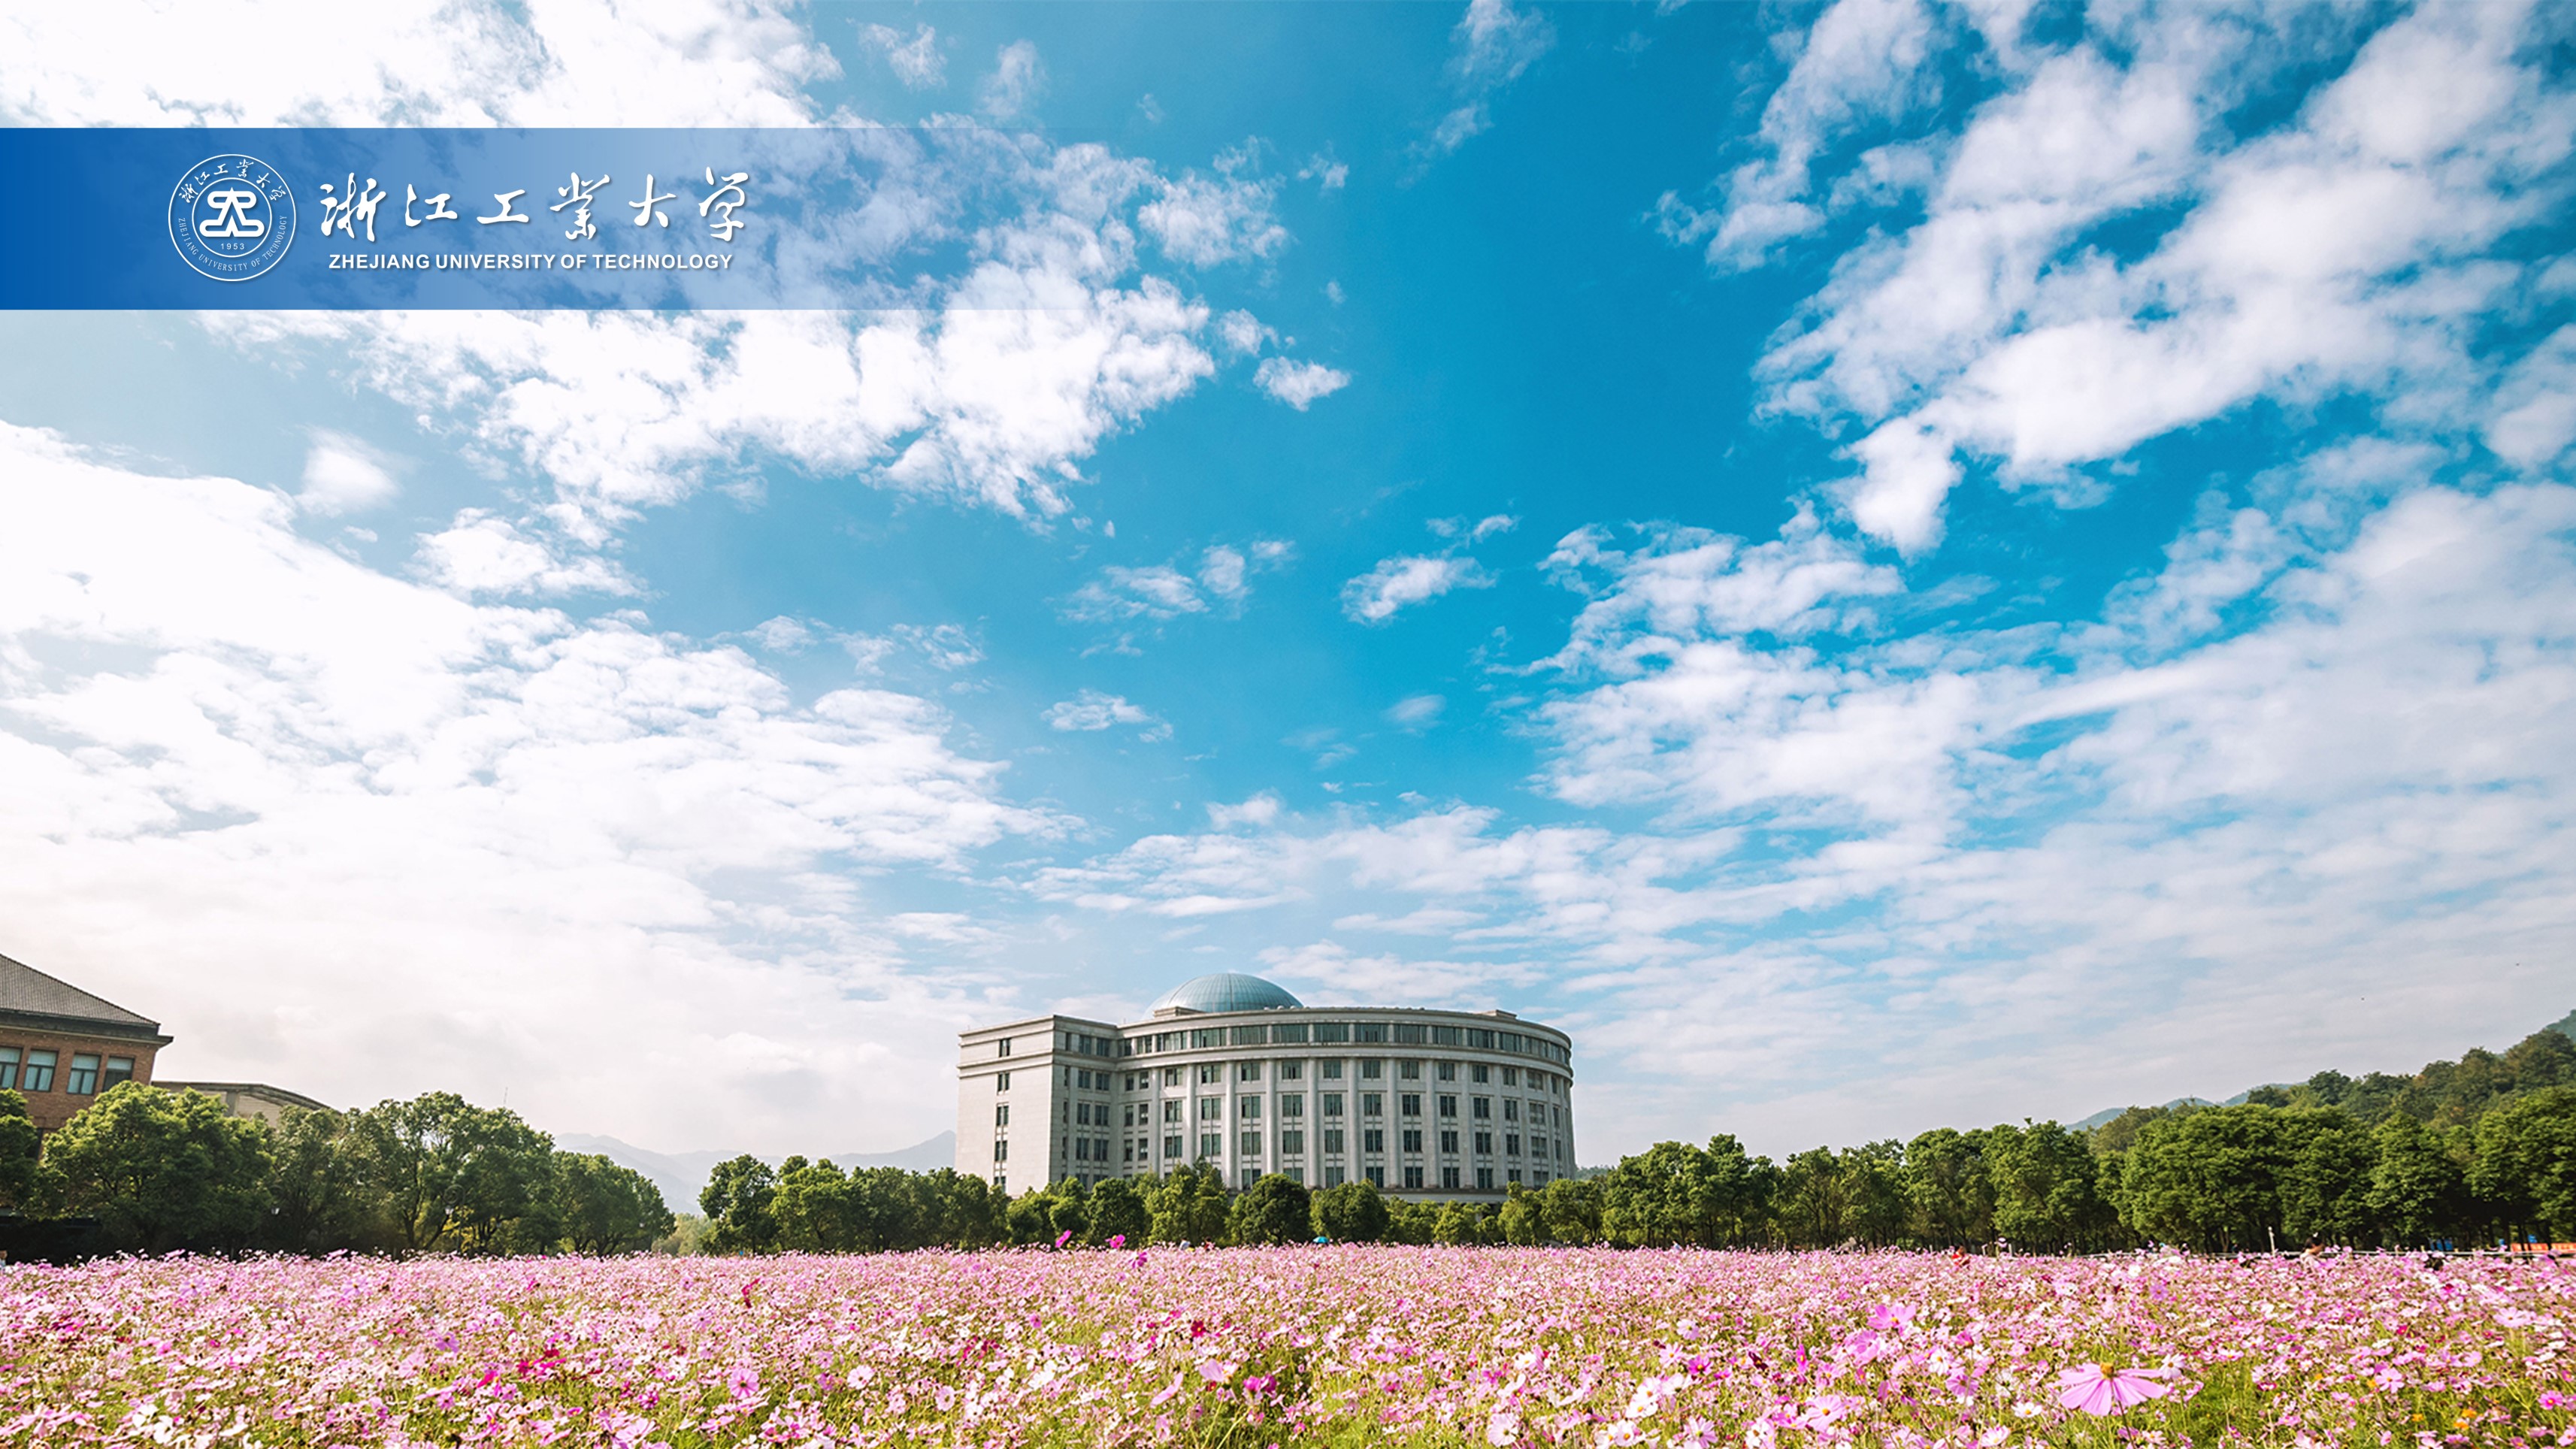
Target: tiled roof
(26, 990)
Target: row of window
(1292, 1142)
(1370, 1070)
(33, 1070)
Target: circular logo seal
(232, 217)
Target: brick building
(61, 1046)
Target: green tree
(2325, 1195)
(1948, 1191)
(162, 1170)
(456, 1176)
(1524, 1216)
(2419, 1182)
(319, 1195)
(1411, 1221)
(1662, 1197)
(2526, 1163)
(2047, 1189)
(1573, 1210)
(1814, 1206)
(736, 1201)
(810, 1205)
(1272, 1210)
(1351, 1212)
(21, 1155)
(1118, 1210)
(1874, 1192)
(607, 1208)
(1188, 1207)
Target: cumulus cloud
(1417, 712)
(1398, 583)
(570, 855)
(1222, 577)
(1206, 220)
(1298, 384)
(483, 553)
(1492, 44)
(1092, 711)
(344, 475)
(916, 61)
(1018, 79)
(2347, 251)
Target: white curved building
(1232, 1071)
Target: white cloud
(482, 553)
(1092, 711)
(1327, 173)
(2347, 251)
(413, 63)
(1018, 79)
(1161, 591)
(1243, 333)
(1259, 812)
(1417, 712)
(1491, 46)
(1397, 583)
(344, 475)
(1298, 384)
(574, 861)
(917, 62)
(1203, 221)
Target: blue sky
(1884, 564)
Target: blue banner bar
(302, 219)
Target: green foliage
(1188, 1207)
(21, 1155)
(1949, 1189)
(319, 1195)
(1572, 1209)
(1524, 1217)
(451, 1176)
(1272, 1210)
(2046, 1189)
(1351, 1212)
(737, 1202)
(1411, 1222)
(607, 1208)
(162, 1170)
(1118, 1210)
(1674, 1194)
(2419, 1180)
(2526, 1163)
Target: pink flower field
(1348, 1345)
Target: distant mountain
(2107, 1113)
(2565, 1026)
(683, 1175)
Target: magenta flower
(2098, 1388)
(1064, 1237)
(1118, 1241)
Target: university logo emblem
(232, 217)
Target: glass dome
(1226, 991)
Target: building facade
(1235, 1073)
(61, 1046)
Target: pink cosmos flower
(2098, 1388)
(1064, 1237)
(1118, 1241)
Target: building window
(1332, 1139)
(1210, 1072)
(40, 1071)
(1410, 1104)
(1082, 1114)
(1251, 1175)
(1251, 1144)
(1001, 1151)
(8, 1068)
(1372, 1104)
(1413, 1178)
(1511, 1077)
(1332, 1104)
(1448, 1106)
(1449, 1142)
(1291, 1071)
(1482, 1109)
(1247, 1071)
(1293, 1033)
(84, 1075)
(1332, 1177)
(1511, 1109)
(1211, 1145)
(1211, 1108)
(1001, 1081)
(1172, 1111)
(1481, 1072)
(1002, 1048)
(1247, 1109)
(1332, 1031)
(1538, 1179)
(1447, 1071)
(1410, 1071)
(1369, 1031)
(1413, 1139)
(1297, 1175)
(1484, 1144)
(1376, 1176)
(1252, 1036)
(1449, 1178)
(1512, 1145)
(1126, 1116)
(1332, 1071)
(1172, 1147)
(1002, 1114)
(1447, 1036)
(1484, 1179)
(1538, 1147)
(1371, 1071)
(1410, 1032)
(1127, 1152)
(1292, 1104)
(1372, 1139)
(1171, 1076)
(1292, 1141)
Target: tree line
(146, 1170)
